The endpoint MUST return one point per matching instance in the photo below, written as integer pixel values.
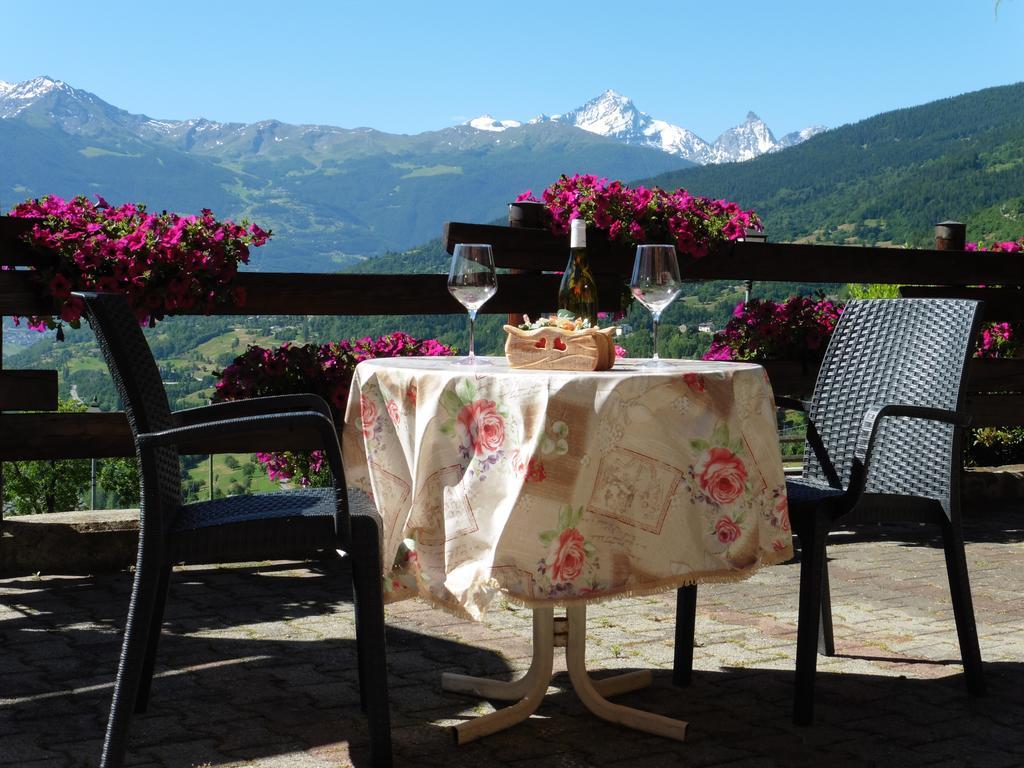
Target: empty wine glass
(471, 280)
(655, 284)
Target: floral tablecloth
(550, 487)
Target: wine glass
(655, 284)
(471, 280)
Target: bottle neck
(577, 235)
(578, 259)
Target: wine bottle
(578, 292)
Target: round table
(555, 488)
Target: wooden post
(523, 214)
(950, 236)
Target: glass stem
(472, 324)
(657, 317)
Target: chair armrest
(872, 421)
(820, 453)
(262, 429)
(256, 406)
(291, 430)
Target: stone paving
(257, 668)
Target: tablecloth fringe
(717, 576)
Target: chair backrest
(907, 351)
(143, 396)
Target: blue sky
(406, 67)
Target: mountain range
(333, 196)
(889, 179)
(613, 115)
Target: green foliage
(872, 291)
(991, 447)
(120, 478)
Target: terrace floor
(257, 668)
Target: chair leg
(367, 571)
(686, 618)
(130, 667)
(155, 628)
(826, 640)
(813, 533)
(963, 607)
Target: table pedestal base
(528, 690)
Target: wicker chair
(883, 445)
(261, 525)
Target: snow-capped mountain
(613, 115)
(794, 138)
(333, 195)
(745, 141)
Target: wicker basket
(591, 349)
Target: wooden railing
(996, 386)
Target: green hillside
(329, 206)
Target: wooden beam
(996, 410)
(35, 436)
(537, 249)
(28, 390)
(26, 436)
(277, 293)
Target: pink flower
(568, 556)
(722, 475)
(726, 530)
(60, 287)
(367, 415)
(481, 427)
(635, 215)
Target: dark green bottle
(578, 291)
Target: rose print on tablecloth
(726, 530)
(401, 581)
(722, 475)
(531, 469)
(569, 555)
(394, 412)
(368, 416)
(719, 478)
(479, 425)
(778, 514)
(694, 381)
